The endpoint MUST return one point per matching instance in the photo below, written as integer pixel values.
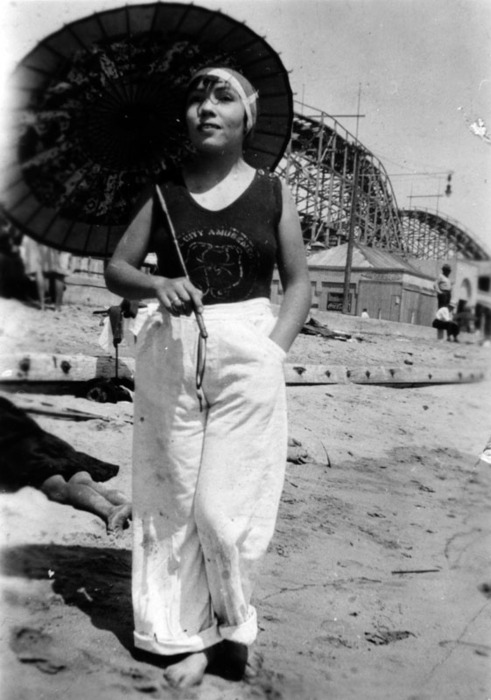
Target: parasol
(95, 116)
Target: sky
(419, 71)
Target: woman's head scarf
(247, 93)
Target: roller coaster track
(321, 166)
(429, 236)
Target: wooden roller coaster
(340, 186)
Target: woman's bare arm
(292, 265)
(124, 277)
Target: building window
(484, 284)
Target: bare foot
(118, 518)
(190, 670)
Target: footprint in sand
(32, 646)
(142, 681)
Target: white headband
(247, 100)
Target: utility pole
(320, 146)
(358, 111)
(351, 234)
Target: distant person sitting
(443, 286)
(30, 456)
(444, 321)
(364, 314)
(465, 318)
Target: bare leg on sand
(83, 493)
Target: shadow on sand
(96, 580)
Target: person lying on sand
(83, 493)
(30, 456)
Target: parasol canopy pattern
(96, 115)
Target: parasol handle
(198, 316)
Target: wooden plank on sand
(30, 368)
(298, 373)
(401, 375)
(43, 367)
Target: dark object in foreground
(107, 390)
(29, 455)
(114, 389)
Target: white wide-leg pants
(206, 484)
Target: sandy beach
(377, 584)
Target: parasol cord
(203, 334)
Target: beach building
(386, 285)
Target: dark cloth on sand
(29, 455)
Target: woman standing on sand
(209, 463)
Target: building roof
(364, 257)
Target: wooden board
(315, 374)
(403, 375)
(39, 367)
(399, 375)
(36, 368)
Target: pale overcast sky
(422, 67)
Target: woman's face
(215, 116)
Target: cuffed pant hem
(244, 633)
(188, 645)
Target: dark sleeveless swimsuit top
(229, 254)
